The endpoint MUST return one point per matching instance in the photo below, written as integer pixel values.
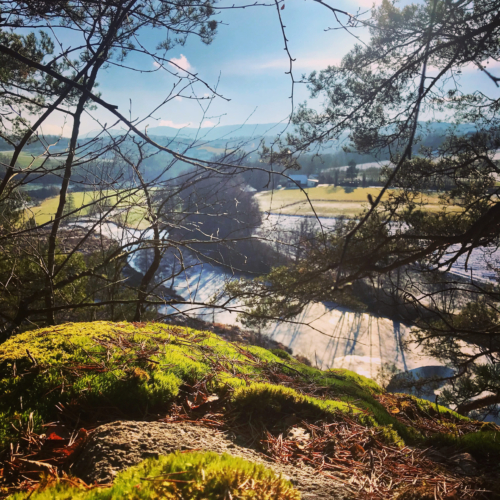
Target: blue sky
(246, 60)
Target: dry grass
(129, 209)
(328, 201)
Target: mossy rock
(275, 402)
(105, 370)
(481, 444)
(102, 369)
(194, 476)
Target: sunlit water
(328, 335)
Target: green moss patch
(274, 403)
(482, 445)
(428, 408)
(105, 370)
(85, 374)
(360, 393)
(193, 476)
(282, 354)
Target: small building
(301, 180)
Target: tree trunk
(476, 404)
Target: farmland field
(130, 211)
(34, 160)
(328, 201)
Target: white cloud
(170, 123)
(367, 4)
(301, 64)
(52, 129)
(317, 63)
(180, 62)
(208, 123)
(176, 63)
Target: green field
(30, 160)
(129, 211)
(328, 201)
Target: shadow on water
(334, 343)
(400, 353)
(353, 334)
(327, 334)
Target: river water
(328, 335)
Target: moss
(359, 391)
(225, 382)
(104, 365)
(481, 444)
(128, 369)
(281, 354)
(194, 475)
(388, 435)
(365, 383)
(122, 367)
(433, 409)
(273, 403)
(263, 354)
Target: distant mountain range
(223, 131)
(247, 130)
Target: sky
(246, 62)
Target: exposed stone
(116, 446)
(466, 462)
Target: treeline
(352, 177)
(219, 219)
(38, 146)
(40, 194)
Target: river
(328, 335)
